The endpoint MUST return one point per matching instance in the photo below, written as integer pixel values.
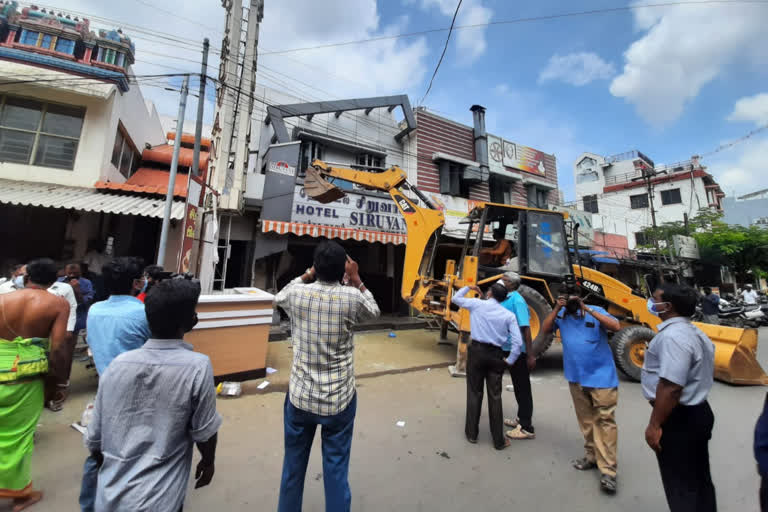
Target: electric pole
(172, 176)
(200, 111)
(647, 176)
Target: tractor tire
(629, 345)
(539, 309)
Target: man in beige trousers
(591, 374)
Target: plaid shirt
(322, 315)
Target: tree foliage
(742, 249)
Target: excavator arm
(421, 223)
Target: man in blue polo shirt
(591, 375)
(522, 426)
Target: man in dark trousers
(522, 426)
(677, 376)
(491, 326)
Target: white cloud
(470, 41)
(682, 49)
(751, 108)
(743, 172)
(359, 70)
(576, 69)
(501, 89)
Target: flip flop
(584, 464)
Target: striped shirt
(322, 315)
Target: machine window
(547, 252)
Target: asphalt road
(427, 465)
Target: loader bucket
(735, 354)
(319, 189)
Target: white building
(70, 119)
(613, 189)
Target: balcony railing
(686, 166)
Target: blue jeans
(88, 485)
(336, 432)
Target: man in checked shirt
(322, 384)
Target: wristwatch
(360, 286)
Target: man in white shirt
(749, 295)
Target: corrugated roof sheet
(45, 195)
(148, 181)
(163, 154)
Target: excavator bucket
(319, 189)
(735, 354)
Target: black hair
(707, 290)
(683, 298)
(170, 307)
(153, 271)
(119, 275)
(330, 260)
(42, 271)
(499, 292)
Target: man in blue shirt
(522, 426)
(591, 375)
(710, 307)
(84, 293)
(491, 326)
(116, 325)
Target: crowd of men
(156, 397)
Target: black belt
(485, 343)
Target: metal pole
(172, 177)
(200, 111)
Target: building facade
(747, 210)
(71, 118)
(614, 191)
(459, 165)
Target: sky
(670, 81)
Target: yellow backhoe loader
(542, 257)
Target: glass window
(29, 37)
(640, 238)
(125, 162)
(116, 149)
(537, 197)
(590, 204)
(63, 120)
(47, 40)
(64, 45)
(16, 146)
(124, 157)
(21, 113)
(547, 252)
(671, 196)
(39, 133)
(120, 59)
(56, 152)
(638, 201)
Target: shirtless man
(26, 317)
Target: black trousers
(521, 381)
(684, 459)
(485, 366)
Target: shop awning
(46, 195)
(602, 259)
(321, 231)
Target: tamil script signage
(505, 157)
(355, 211)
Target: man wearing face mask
(677, 376)
(591, 374)
(152, 276)
(114, 326)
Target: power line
(445, 48)
(729, 145)
(516, 21)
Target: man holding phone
(591, 374)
